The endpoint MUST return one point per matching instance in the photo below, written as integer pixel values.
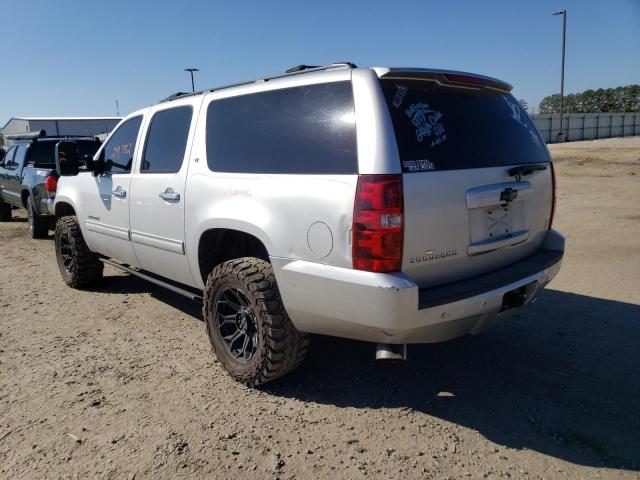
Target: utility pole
(561, 135)
(117, 108)
(191, 70)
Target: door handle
(119, 192)
(169, 195)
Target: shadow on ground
(561, 378)
(130, 284)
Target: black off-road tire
(38, 226)
(84, 267)
(280, 348)
(5, 212)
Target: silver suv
(391, 205)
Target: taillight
(553, 193)
(51, 185)
(378, 223)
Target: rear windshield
(440, 128)
(42, 154)
(87, 147)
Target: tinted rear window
(445, 129)
(309, 129)
(42, 154)
(88, 147)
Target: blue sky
(76, 57)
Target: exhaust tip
(391, 353)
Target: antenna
(117, 108)
(191, 70)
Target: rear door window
(439, 128)
(308, 129)
(167, 141)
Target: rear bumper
(390, 308)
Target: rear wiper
(523, 170)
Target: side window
(18, 159)
(309, 129)
(119, 150)
(167, 141)
(8, 158)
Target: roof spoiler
(447, 78)
(27, 136)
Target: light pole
(564, 39)
(191, 70)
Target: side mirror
(66, 159)
(97, 166)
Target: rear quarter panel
(285, 212)
(33, 181)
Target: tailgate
(456, 226)
(466, 211)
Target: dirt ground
(119, 382)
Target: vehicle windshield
(439, 128)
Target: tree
(550, 104)
(618, 99)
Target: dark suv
(29, 175)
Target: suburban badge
(431, 255)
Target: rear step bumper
(390, 308)
(452, 292)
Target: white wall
(587, 126)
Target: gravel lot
(119, 382)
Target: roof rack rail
(306, 68)
(42, 135)
(292, 71)
(27, 136)
(176, 95)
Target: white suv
(388, 205)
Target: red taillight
(470, 79)
(50, 185)
(378, 223)
(553, 192)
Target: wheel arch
(218, 245)
(24, 195)
(64, 209)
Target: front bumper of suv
(391, 308)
